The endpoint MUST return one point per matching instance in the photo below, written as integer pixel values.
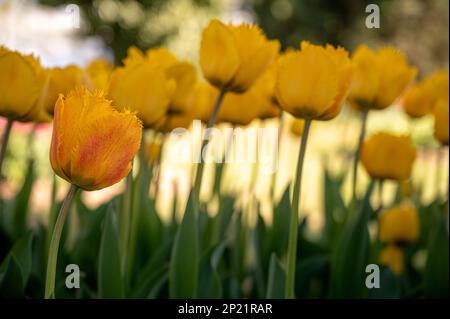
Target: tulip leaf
(351, 255)
(334, 208)
(276, 280)
(210, 285)
(261, 242)
(280, 228)
(11, 281)
(20, 210)
(110, 283)
(436, 269)
(15, 269)
(183, 269)
(313, 267)
(389, 286)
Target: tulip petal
(219, 56)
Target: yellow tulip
(380, 77)
(400, 224)
(297, 127)
(437, 85)
(314, 82)
(21, 81)
(62, 81)
(441, 115)
(239, 109)
(417, 102)
(393, 257)
(93, 144)
(233, 57)
(99, 71)
(201, 100)
(143, 86)
(153, 150)
(264, 88)
(386, 156)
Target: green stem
(276, 156)
(293, 227)
(380, 195)
(362, 135)
(125, 219)
(5, 139)
(54, 244)
(200, 165)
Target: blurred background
(63, 32)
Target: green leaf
(148, 284)
(311, 268)
(183, 271)
(11, 280)
(110, 280)
(16, 267)
(351, 255)
(20, 208)
(210, 285)
(436, 269)
(280, 228)
(389, 286)
(334, 208)
(277, 278)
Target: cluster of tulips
(104, 115)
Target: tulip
(99, 71)
(393, 257)
(437, 85)
(21, 81)
(297, 127)
(142, 85)
(417, 102)
(92, 147)
(180, 111)
(62, 81)
(312, 84)
(385, 156)
(400, 224)
(380, 77)
(233, 57)
(441, 118)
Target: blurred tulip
(380, 77)
(153, 150)
(62, 81)
(297, 127)
(314, 82)
(386, 156)
(417, 101)
(437, 85)
(92, 143)
(233, 57)
(441, 119)
(400, 224)
(393, 257)
(21, 81)
(201, 100)
(99, 71)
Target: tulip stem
(293, 227)
(126, 219)
(54, 244)
(273, 183)
(380, 194)
(200, 166)
(362, 135)
(5, 139)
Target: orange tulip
(93, 144)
